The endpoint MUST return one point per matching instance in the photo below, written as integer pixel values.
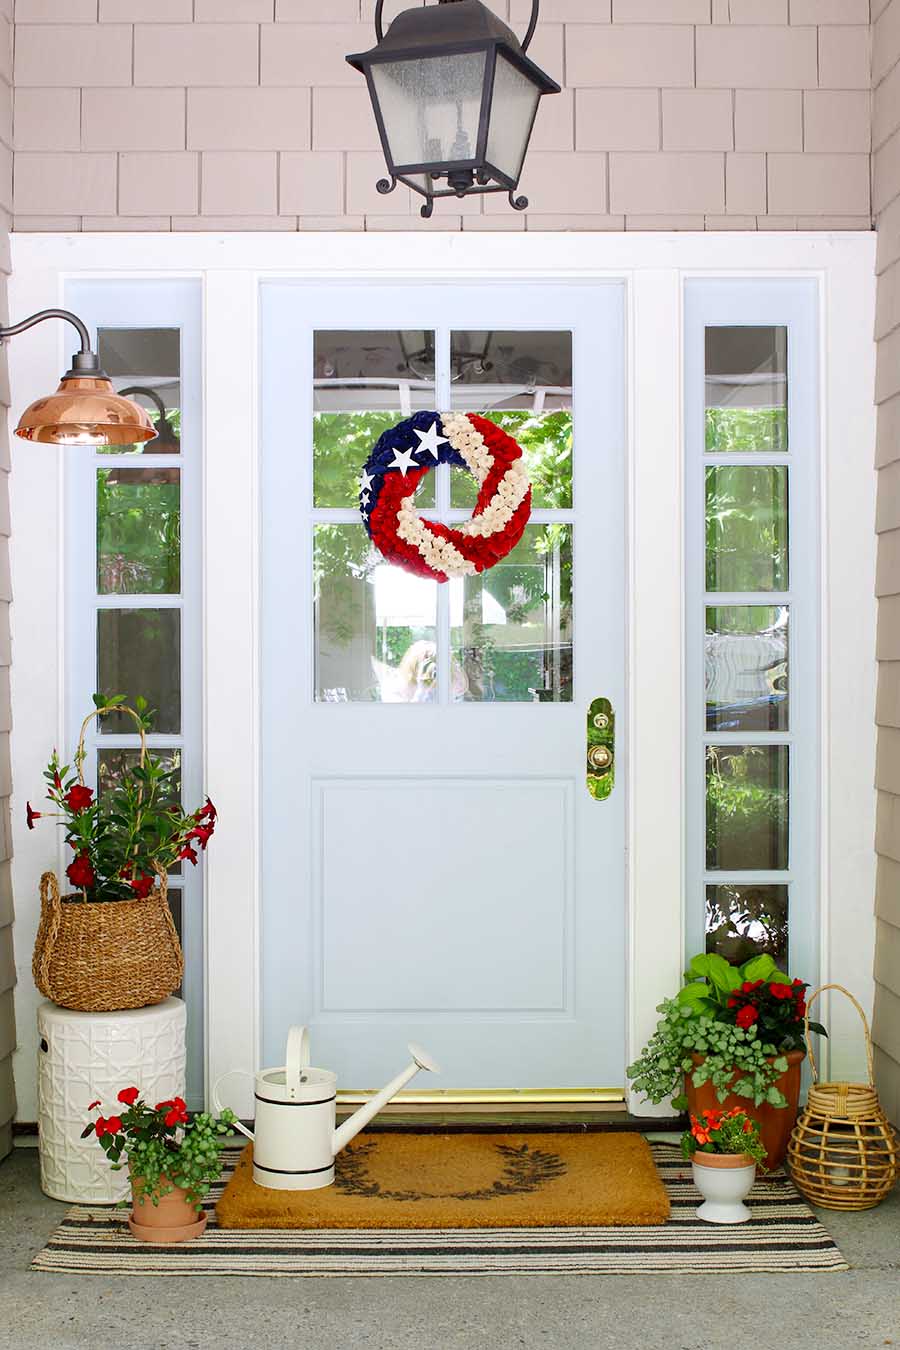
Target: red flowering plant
(163, 1145)
(137, 829)
(730, 1026)
(724, 1132)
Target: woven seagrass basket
(843, 1152)
(105, 956)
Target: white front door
(434, 866)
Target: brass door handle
(601, 749)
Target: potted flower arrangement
(173, 1160)
(111, 942)
(733, 1036)
(725, 1149)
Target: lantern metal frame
(478, 30)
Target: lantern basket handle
(865, 1021)
(532, 23)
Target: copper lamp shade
(85, 410)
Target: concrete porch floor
(856, 1310)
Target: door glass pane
(139, 652)
(746, 807)
(744, 921)
(375, 633)
(511, 627)
(523, 382)
(747, 668)
(111, 765)
(364, 382)
(138, 531)
(746, 389)
(145, 364)
(746, 527)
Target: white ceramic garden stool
(83, 1057)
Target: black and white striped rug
(783, 1235)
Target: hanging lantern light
(455, 98)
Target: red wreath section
(482, 551)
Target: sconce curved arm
(151, 394)
(532, 23)
(40, 316)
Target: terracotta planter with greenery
(775, 1122)
(173, 1218)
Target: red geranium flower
(746, 1017)
(101, 1127)
(176, 1111)
(128, 1096)
(749, 985)
(95, 1104)
(80, 872)
(78, 797)
(31, 816)
(781, 991)
(113, 1124)
(733, 1002)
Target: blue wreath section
(403, 437)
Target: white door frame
(654, 267)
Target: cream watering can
(295, 1140)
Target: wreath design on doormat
(524, 1171)
(402, 457)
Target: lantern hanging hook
(532, 23)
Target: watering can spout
(350, 1128)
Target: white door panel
(437, 870)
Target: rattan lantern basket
(843, 1153)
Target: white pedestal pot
(724, 1180)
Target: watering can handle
(296, 1058)
(236, 1124)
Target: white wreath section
(439, 553)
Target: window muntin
(383, 636)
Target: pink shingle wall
(242, 114)
(886, 201)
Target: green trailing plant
(740, 1021)
(163, 1146)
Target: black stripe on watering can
(322, 1101)
(293, 1172)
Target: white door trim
(655, 266)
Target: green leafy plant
(739, 1021)
(163, 1146)
(724, 1132)
(136, 831)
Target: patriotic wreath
(400, 460)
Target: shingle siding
(243, 114)
(7, 965)
(886, 199)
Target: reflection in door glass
(746, 807)
(744, 921)
(746, 527)
(511, 627)
(523, 382)
(746, 389)
(375, 632)
(145, 364)
(139, 653)
(746, 668)
(364, 382)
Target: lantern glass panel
(513, 107)
(431, 107)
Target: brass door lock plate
(601, 749)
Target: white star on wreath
(365, 482)
(430, 440)
(404, 461)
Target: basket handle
(81, 753)
(162, 895)
(865, 1021)
(51, 911)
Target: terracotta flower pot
(775, 1123)
(174, 1219)
(723, 1179)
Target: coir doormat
(782, 1236)
(433, 1180)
